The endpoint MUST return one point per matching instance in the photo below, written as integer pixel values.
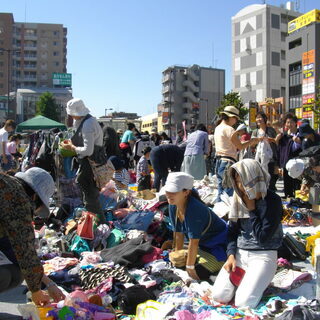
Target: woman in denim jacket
(255, 234)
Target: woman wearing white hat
(190, 217)
(21, 197)
(227, 143)
(88, 135)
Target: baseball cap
(295, 168)
(177, 181)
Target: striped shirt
(142, 168)
(122, 177)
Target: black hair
(222, 117)
(194, 194)
(164, 135)
(130, 125)
(263, 115)
(290, 116)
(201, 127)
(15, 137)
(180, 131)
(146, 150)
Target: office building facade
(303, 45)
(259, 34)
(190, 95)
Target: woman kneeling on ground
(191, 217)
(255, 234)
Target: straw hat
(231, 111)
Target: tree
(233, 99)
(46, 106)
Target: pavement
(10, 300)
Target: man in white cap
(21, 197)
(87, 139)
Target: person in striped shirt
(120, 173)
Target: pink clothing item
(155, 254)
(58, 263)
(11, 147)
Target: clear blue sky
(117, 49)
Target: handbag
(296, 248)
(101, 173)
(86, 225)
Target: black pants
(160, 171)
(290, 184)
(90, 192)
(10, 277)
(273, 176)
(144, 183)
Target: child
(143, 172)
(120, 173)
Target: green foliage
(233, 99)
(46, 106)
(315, 107)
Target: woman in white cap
(190, 217)
(227, 143)
(21, 197)
(254, 235)
(87, 139)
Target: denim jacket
(262, 230)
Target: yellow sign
(299, 113)
(304, 20)
(252, 115)
(269, 101)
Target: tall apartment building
(190, 94)
(30, 53)
(259, 34)
(303, 54)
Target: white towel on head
(255, 179)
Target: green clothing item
(16, 216)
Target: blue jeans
(220, 169)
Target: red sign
(308, 98)
(165, 117)
(195, 105)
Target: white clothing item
(92, 135)
(264, 153)
(3, 138)
(241, 126)
(157, 265)
(177, 181)
(260, 268)
(76, 107)
(255, 179)
(222, 140)
(295, 168)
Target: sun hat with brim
(177, 181)
(76, 107)
(231, 111)
(295, 168)
(241, 126)
(40, 181)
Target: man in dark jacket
(163, 158)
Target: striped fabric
(209, 261)
(122, 176)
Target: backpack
(142, 143)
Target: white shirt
(3, 138)
(92, 135)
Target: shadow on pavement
(7, 316)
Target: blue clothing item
(220, 169)
(127, 136)
(262, 230)
(197, 143)
(196, 221)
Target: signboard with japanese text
(308, 98)
(165, 117)
(62, 79)
(304, 20)
(308, 81)
(298, 112)
(195, 105)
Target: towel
(255, 179)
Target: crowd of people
(246, 164)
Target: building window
(283, 55)
(275, 21)
(56, 33)
(55, 53)
(259, 21)
(55, 43)
(1, 74)
(259, 40)
(275, 93)
(283, 36)
(295, 43)
(283, 91)
(56, 63)
(1, 85)
(275, 59)
(283, 73)
(237, 28)
(1, 63)
(259, 77)
(237, 46)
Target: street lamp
(105, 111)
(207, 116)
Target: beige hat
(231, 111)
(76, 107)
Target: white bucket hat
(241, 126)
(177, 181)
(76, 107)
(40, 181)
(231, 111)
(295, 168)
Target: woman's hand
(193, 274)
(254, 141)
(230, 264)
(40, 298)
(250, 204)
(304, 189)
(55, 293)
(296, 139)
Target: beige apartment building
(30, 53)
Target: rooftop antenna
(213, 55)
